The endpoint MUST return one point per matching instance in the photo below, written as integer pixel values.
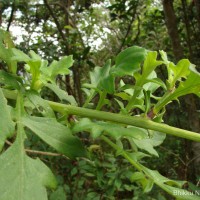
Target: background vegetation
(94, 31)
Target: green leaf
(146, 183)
(147, 101)
(22, 177)
(129, 60)
(137, 156)
(6, 56)
(60, 67)
(59, 194)
(5, 38)
(137, 176)
(123, 95)
(176, 72)
(20, 56)
(152, 83)
(170, 186)
(191, 85)
(181, 70)
(102, 79)
(34, 55)
(9, 80)
(148, 144)
(114, 130)
(7, 126)
(39, 103)
(34, 64)
(35, 72)
(106, 81)
(150, 64)
(62, 95)
(56, 135)
(157, 81)
(148, 72)
(6, 45)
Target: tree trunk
(191, 150)
(1, 11)
(197, 5)
(191, 99)
(187, 26)
(171, 24)
(76, 91)
(194, 126)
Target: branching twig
(128, 30)
(55, 20)
(194, 158)
(172, 153)
(11, 16)
(126, 35)
(138, 30)
(44, 153)
(72, 22)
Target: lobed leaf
(115, 130)
(170, 186)
(176, 72)
(106, 81)
(9, 80)
(60, 67)
(7, 126)
(40, 104)
(128, 61)
(148, 144)
(20, 56)
(102, 79)
(56, 135)
(150, 63)
(23, 178)
(190, 85)
(6, 55)
(62, 95)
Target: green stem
(101, 100)
(140, 167)
(162, 102)
(119, 118)
(137, 91)
(89, 99)
(123, 153)
(123, 119)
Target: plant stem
(162, 102)
(123, 119)
(122, 152)
(44, 153)
(101, 100)
(119, 118)
(138, 87)
(89, 98)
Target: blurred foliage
(94, 31)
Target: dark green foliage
(103, 176)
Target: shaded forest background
(94, 31)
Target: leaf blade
(7, 126)
(56, 135)
(20, 178)
(128, 61)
